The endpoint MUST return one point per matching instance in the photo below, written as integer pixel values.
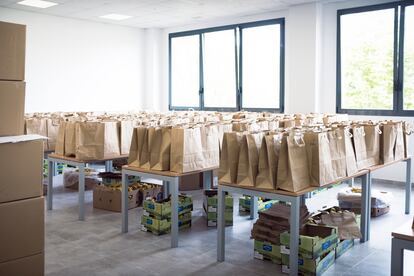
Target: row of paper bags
(295, 159)
(176, 148)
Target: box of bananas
(109, 197)
(162, 208)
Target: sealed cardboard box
(12, 51)
(12, 94)
(22, 231)
(27, 266)
(21, 161)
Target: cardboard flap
(21, 138)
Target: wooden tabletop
(73, 159)
(298, 193)
(165, 173)
(377, 167)
(405, 232)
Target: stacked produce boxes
(21, 161)
(156, 217)
(262, 204)
(210, 207)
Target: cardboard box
(12, 51)
(22, 228)
(28, 266)
(314, 267)
(267, 249)
(342, 247)
(163, 209)
(163, 226)
(191, 182)
(259, 256)
(12, 95)
(21, 160)
(315, 240)
(244, 204)
(210, 203)
(110, 199)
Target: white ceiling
(158, 13)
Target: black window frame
(238, 54)
(397, 110)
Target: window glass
(408, 86)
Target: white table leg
(108, 166)
(253, 207)
(125, 202)
(50, 171)
(397, 257)
(221, 224)
(174, 212)
(294, 235)
(365, 207)
(408, 186)
(81, 193)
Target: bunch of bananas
(132, 187)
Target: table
(170, 181)
(295, 200)
(402, 238)
(81, 164)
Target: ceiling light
(37, 3)
(115, 16)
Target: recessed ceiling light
(115, 16)
(37, 3)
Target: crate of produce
(342, 247)
(315, 240)
(311, 267)
(109, 197)
(162, 208)
(262, 204)
(267, 251)
(162, 226)
(114, 178)
(212, 218)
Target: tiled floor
(97, 247)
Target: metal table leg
(397, 257)
(221, 224)
(165, 189)
(369, 206)
(207, 179)
(294, 235)
(124, 202)
(253, 207)
(365, 207)
(81, 192)
(108, 166)
(50, 170)
(174, 212)
(408, 186)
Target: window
(261, 67)
(228, 68)
(219, 69)
(373, 58)
(408, 85)
(185, 64)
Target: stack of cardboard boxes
(210, 207)
(21, 161)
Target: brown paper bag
(229, 157)
(210, 143)
(319, 158)
(137, 142)
(160, 149)
(346, 223)
(293, 173)
(127, 129)
(145, 155)
(351, 164)
(70, 138)
(338, 153)
(37, 126)
(60, 140)
(399, 142)
(372, 141)
(186, 149)
(52, 133)
(97, 140)
(358, 135)
(268, 161)
(248, 159)
(408, 129)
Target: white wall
(80, 65)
